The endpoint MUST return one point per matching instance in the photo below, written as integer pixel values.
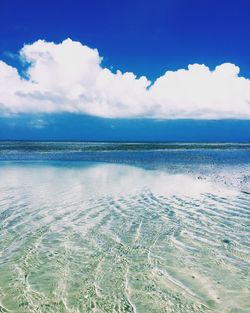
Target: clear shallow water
(168, 233)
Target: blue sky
(146, 38)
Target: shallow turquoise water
(104, 237)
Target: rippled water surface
(168, 232)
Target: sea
(124, 227)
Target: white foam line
(127, 290)
(138, 232)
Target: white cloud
(68, 77)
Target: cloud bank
(69, 77)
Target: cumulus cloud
(69, 77)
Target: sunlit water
(171, 236)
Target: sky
(173, 70)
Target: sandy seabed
(118, 238)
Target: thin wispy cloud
(69, 77)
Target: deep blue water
(144, 154)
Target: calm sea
(124, 227)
